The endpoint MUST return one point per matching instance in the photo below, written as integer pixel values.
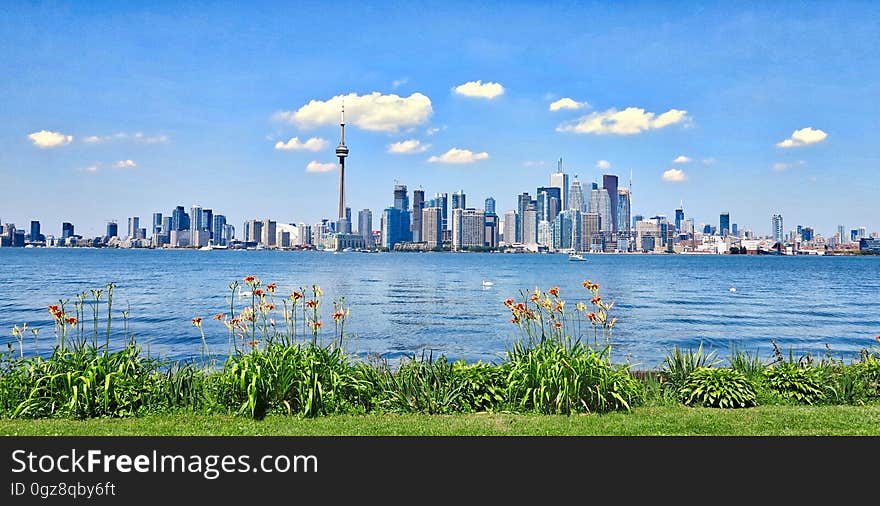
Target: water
(405, 303)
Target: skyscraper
(609, 183)
(418, 205)
(432, 226)
(559, 180)
(395, 227)
(441, 201)
(511, 225)
(530, 226)
(208, 222)
(523, 202)
(112, 229)
(468, 228)
(254, 231)
(66, 230)
(179, 219)
(134, 224)
(776, 227)
(545, 195)
(491, 230)
(624, 211)
(269, 230)
(841, 233)
(458, 200)
(157, 224)
(679, 217)
(724, 224)
(489, 206)
(365, 226)
(35, 231)
(196, 219)
(401, 200)
(576, 196)
(219, 224)
(600, 203)
(342, 224)
(167, 225)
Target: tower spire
(342, 224)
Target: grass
(642, 421)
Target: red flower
(557, 324)
(258, 292)
(72, 320)
(312, 303)
(514, 320)
(554, 291)
(250, 279)
(218, 316)
(296, 296)
(337, 315)
(558, 307)
(508, 302)
(592, 317)
(317, 325)
(595, 300)
(270, 307)
(253, 343)
(587, 283)
(271, 287)
(534, 298)
(197, 321)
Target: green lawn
(678, 420)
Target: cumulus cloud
(375, 112)
(408, 147)
(459, 156)
(125, 164)
(135, 136)
(674, 176)
(45, 139)
(567, 103)
(294, 144)
(315, 166)
(632, 120)
(479, 89)
(603, 164)
(682, 159)
(803, 137)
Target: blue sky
(144, 107)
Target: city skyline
(771, 116)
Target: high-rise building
(546, 210)
(35, 231)
(432, 226)
(157, 224)
(268, 232)
(441, 201)
(559, 180)
(863, 233)
(530, 226)
(591, 236)
(401, 200)
(167, 225)
(600, 203)
(576, 197)
(734, 230)
(197, 219)
(208, 222)
(624, 211)
(568, 230)
(66, 230)
(491, 229)
(854, 235)
(511, 225)
(395, 227)
(609, 183)
(365, 226)
(228, 234)
(724, 224)
(679, 217)
(489, 206)
(418, 205)
(343, 224)
(112, 229)
(807, 234)
(254, 231)
(841, 234)
(179, 219)
(219, 224)
(777, 228)
(134, 223)
(468, 228)
(545, 233)
(523, 202)
(458, 200)
(305, 234)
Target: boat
(574, 257)
(487, 283)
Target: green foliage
(717, 388)
(747, 363)
(421, 385)
(552, 376)
(679, 364)
(305, 380)
(802, 384)
(858, 383)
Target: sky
(110, 110)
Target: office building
(440, 200)
(365, 226)
(576, 197)
(609, 183)
(67, 230)
(777, 228)
(468, 228)
(134, 224)
(530, 226)
(624, 211)
(491, 229)
(269, 231)
(35, 232)
(600, 203)
(179, 219)
(218, 225)
(511, 224)
(559, 179)
(432, 226)
(112, 229)
(524, 201)
(489, 206)
(395, 227)
(548, 202)
(724, 224)
(418, 205)
(197, 219)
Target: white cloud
(682, 159)
(376, 112)
(135, 136)
(125, 164)
(434, 130)
(459, 156)
(408, 147)
(629, 121)
(45, 139)
(803, 137)
(674, 176)
(315, 166)
(780, 166)
(708, 161)
(479, 89)
(397, 83)
(603, 164)
(567, 103)
(294, 144)
(91, 168)
(534, 163)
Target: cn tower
(342, 224)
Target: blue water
(404, 303)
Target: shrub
(420, 385)
(717, 388)
(858, 383)
(679, 364)
(798, 383)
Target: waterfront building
(254, 231)
(648, 235)
(600, 203)
(489, 206)
(624, 211)
(179, 238)
(863, 232)
(133, 226)
(491, 229)
(609, 184)
(592, 232)
(269, 231)
(112, 229)
(776, 227)
(458, 200)
(576, 196)
(179, 219)
(568, 230)
(156, 224)
(66, 230)
(35, 235)
(679, 217)
(199, 238)
(545, 233)
(365, 226)
(559, 179)
(218, 224)
(548, 199)
(468, 228)
(724, 224)
(228, 234)
(734, 230)
(432, 226)
(418, 205)
(196, 219)
(440, 200)
(511, 225)
(395, 227)
(401, 200)
(530, 226)
(304, 233)
(524, 201)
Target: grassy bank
(643, 421)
